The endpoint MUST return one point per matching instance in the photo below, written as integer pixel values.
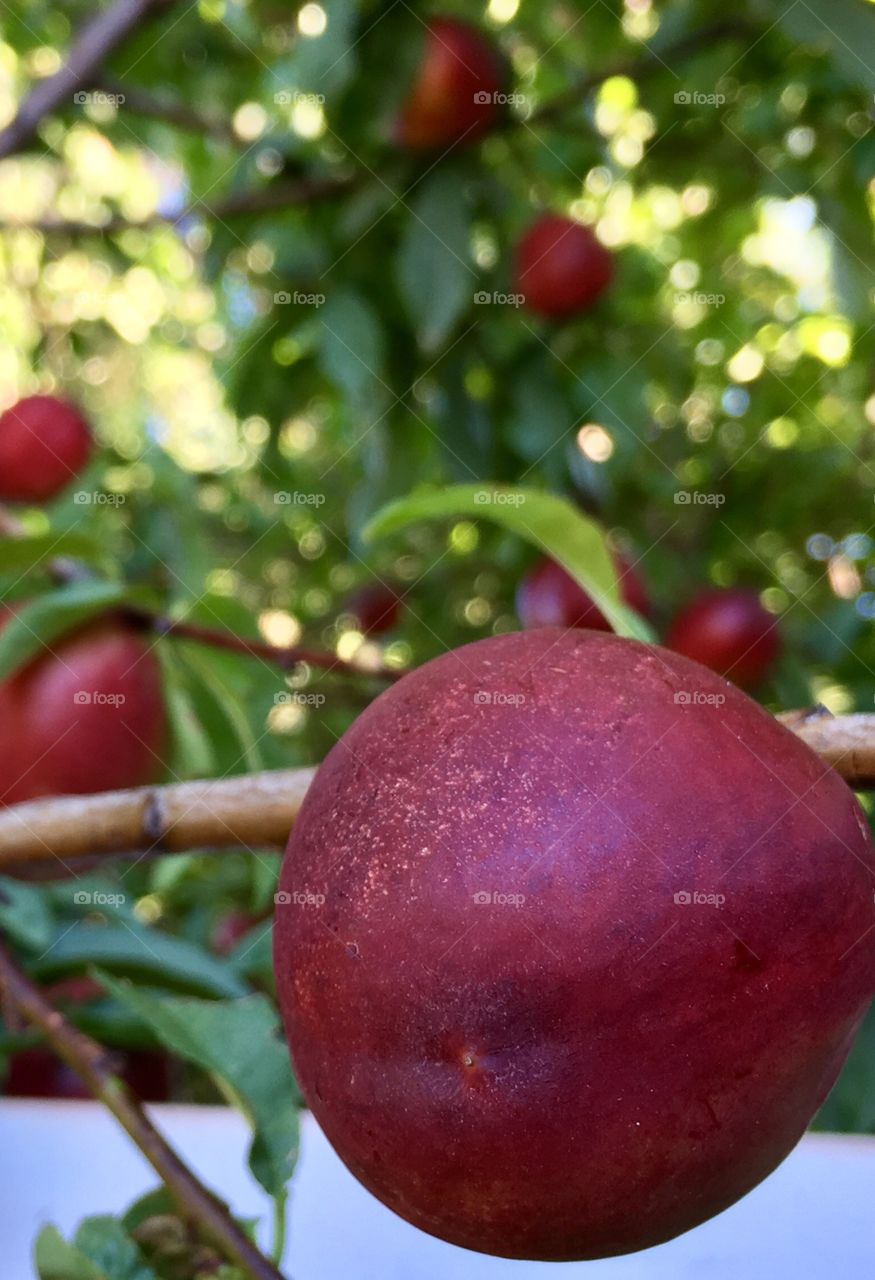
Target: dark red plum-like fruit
(453, 97)
(88, 715)
(573, 941)
(561, 267)
(548, 596)
(44, 444)
(729, 631)
(376, 608)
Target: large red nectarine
(44, 444)
(729, 631)
(548, 596)
(572, 941)
(86, 716)
(453, 98)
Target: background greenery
(332, 348)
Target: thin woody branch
(286, 659)
(196, 1203)
(248, 812)
(94, 44)
(310, 189)
(257, 812)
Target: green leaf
(435, 277)
(239, 1043)
(226, 713)
(352, 351)
(30, 552)
(37, 624)
(146, 954)
(552, 524)
(25, 914)
(57, 1260)
(105, 1242)
(845, 27)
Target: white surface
(61, 1161)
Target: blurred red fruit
(548, 596)
(44, 444)
(86, 716)
(561, 268)
(37, 1073)
(730, 632)
(375, 607)
(453, 96)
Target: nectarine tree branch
(94, 44)
(248, 812)
(286, 659)
(196, 1203)
(269, 199)
(258, 811)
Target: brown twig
(258, 811)
(285, 659)
(94, 44)
(248, 812)
(167, 110)
(196, 1203)
(280, 195)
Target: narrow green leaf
(37, 624)
(435, 277)
(30, 552)
(552, 524)
(239, 1043)
(146, 954)
(25, 914)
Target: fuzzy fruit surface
(376, 608)
(87, 717)
(561, 268)
(585, 964)
(44, 444)
(729, 631)
(548, 596)
(453, 96)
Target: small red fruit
(730, 632)
(375, 607)
(38, 1073)
(590, 953)
(453, 97)
(44, 444)
(548, 596)
(561, 268)
(86, 716)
